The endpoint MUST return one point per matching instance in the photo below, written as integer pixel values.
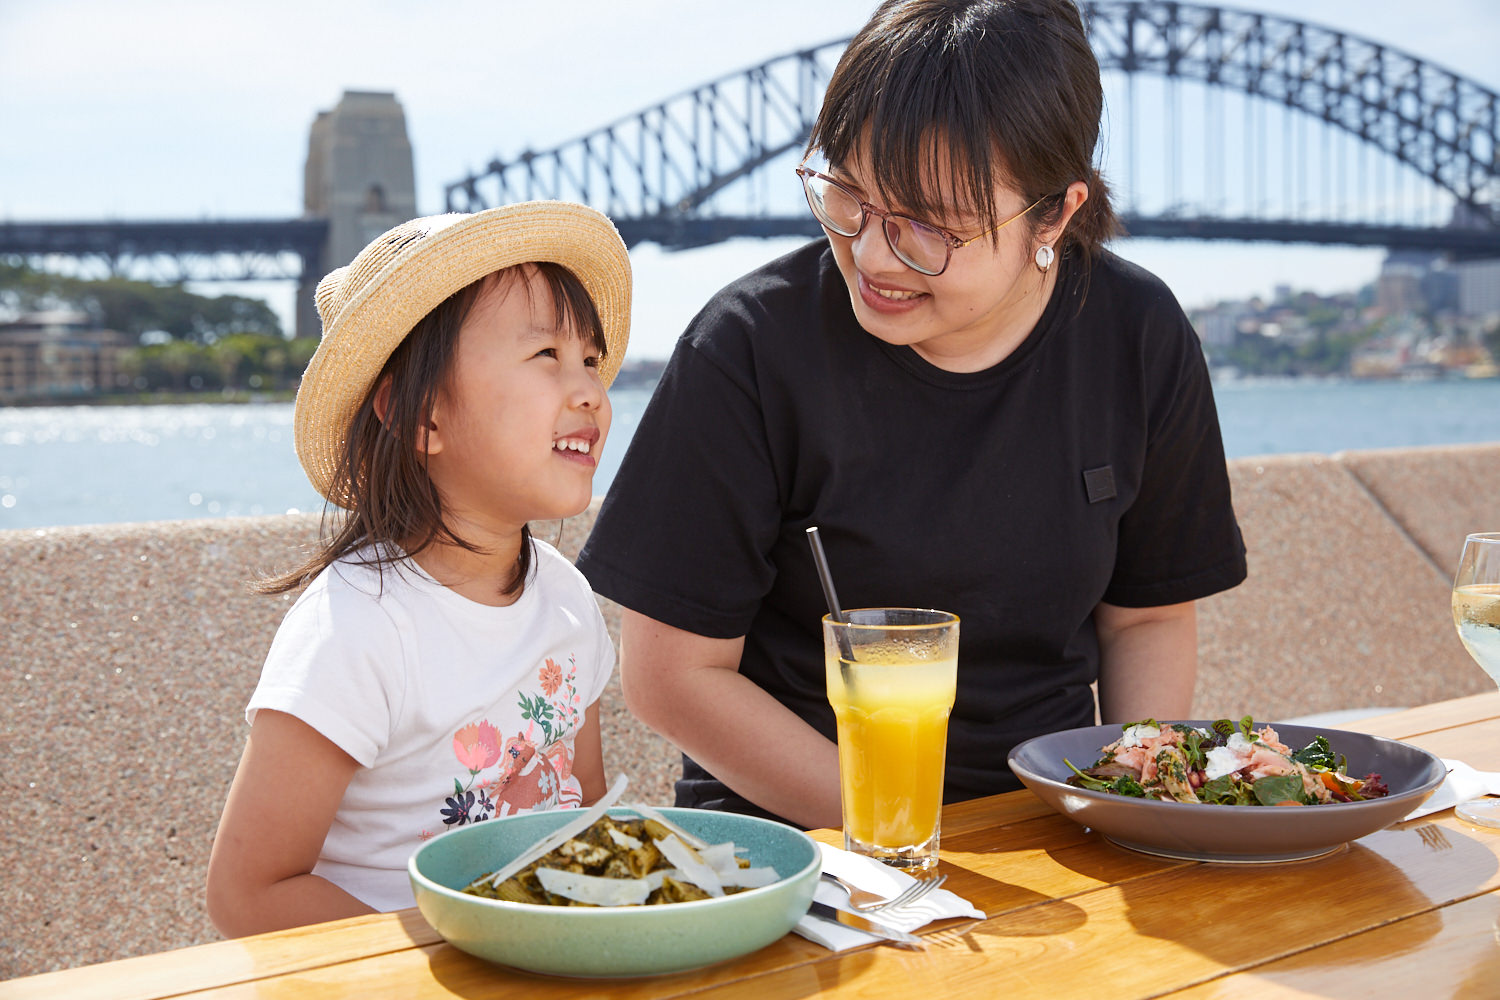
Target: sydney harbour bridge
(1221, 124)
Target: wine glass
(1476, 615)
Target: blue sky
(174, 109)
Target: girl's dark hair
(1006, 90)
(392, 500)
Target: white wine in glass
(1476, 615)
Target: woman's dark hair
(999, 90)
(392, 500)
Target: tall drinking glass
(891, 679)
(1476, 615)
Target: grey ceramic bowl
(612, 941)
(1230, 833)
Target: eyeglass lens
(916, 244)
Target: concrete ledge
(1343, 609)
(130, 651)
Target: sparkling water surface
(66, 465)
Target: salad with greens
(1227, 764)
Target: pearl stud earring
(1044, 257)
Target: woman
(981, 409)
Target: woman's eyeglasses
(921, 247)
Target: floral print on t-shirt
(529, 770)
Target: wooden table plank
(443, 971)
(1177, 927)
(210, 965)
(1447, 952)
(1472, 710)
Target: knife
(891, 934)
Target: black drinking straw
(846, 651)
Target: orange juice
(893, 735)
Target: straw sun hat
(369, 306)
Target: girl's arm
(588, 756)
(688, 688)
(280, 806)
(1148, 661)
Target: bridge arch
(657, 171)
(1444, 126)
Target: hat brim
(452, 253)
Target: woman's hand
(1148, 661)
(288, 787)
(688, 688)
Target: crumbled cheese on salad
(1137, 735)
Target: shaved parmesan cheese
(624, 839)
(719, 857)
(691, 865)
(697, 843)
(751, 878)
(654, 879)
(593, 888)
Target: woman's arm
(280, 806)
(588, 757)
(1148, 660)
(688, 688)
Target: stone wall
(130, 651)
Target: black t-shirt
(1086, 466)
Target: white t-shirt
(457, 711)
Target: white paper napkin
(867, 873)
(1462, 784)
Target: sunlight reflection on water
(100, 464)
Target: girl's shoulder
(555, 571)
(366, 574)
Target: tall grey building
(359, 177)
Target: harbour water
(103, 464)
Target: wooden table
(1410, 911)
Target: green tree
(136, 307)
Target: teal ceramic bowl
(612, 941)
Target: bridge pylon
(359, 176)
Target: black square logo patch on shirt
(1099, 483)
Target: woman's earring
(1044, 257)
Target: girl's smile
(576, 447)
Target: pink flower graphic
(477, 746)
(551, 677)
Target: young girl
(442, 667)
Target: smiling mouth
(895, 294)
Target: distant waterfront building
(1477, 281)
(1478, 287)
(1218, 325)
(57, 353)
(1398, 289)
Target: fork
(868, 902)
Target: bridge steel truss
(1443, 126)
(169, 251)
(656, 172)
